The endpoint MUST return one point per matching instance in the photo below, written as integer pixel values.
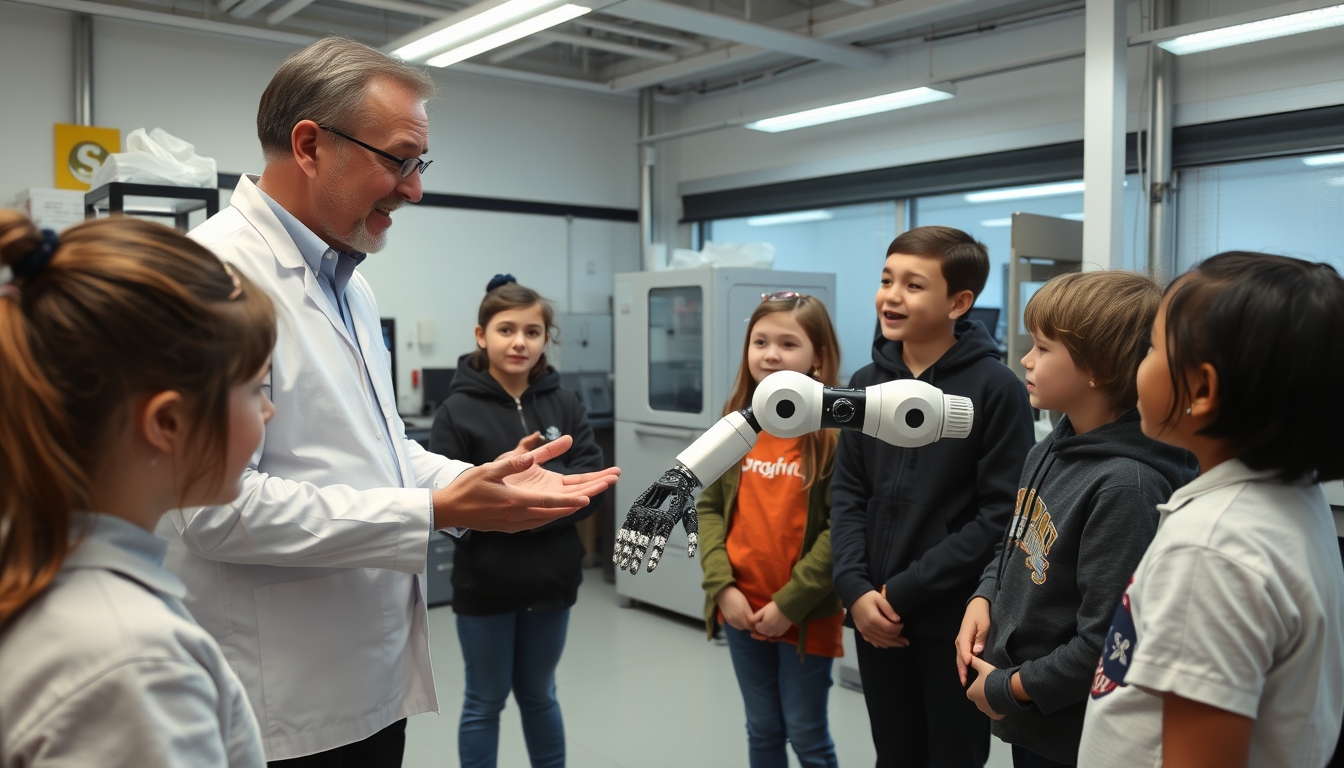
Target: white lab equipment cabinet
(678, 345)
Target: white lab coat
(312, 580)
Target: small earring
(1187, 411)
(1092, 384)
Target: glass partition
(676, 349)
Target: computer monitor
(988, 317)
(437, 382)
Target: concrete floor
(640, 688)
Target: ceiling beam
(883, 19)
(716, 25)
(526, 45)
(599, 44)
(246, 8)
(641, 34)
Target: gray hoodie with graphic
(1090, 513)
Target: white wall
(488, 138)
(1032, 107)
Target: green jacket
(808, 595)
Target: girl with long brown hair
(132, 364)
(766, 547)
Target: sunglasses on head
(782, 295)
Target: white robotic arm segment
(907, 413)
(716, 451)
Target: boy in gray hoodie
(1085, 513)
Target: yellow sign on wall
(80, 151)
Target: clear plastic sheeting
(157, 157)
(757, 255)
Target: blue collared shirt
(333, 269)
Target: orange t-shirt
(766, 537)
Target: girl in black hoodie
(512, 591)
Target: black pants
(381, 750)
(917, 709)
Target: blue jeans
(786, 700)
(516, 651)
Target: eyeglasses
(782, 295)
(408, 165)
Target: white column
(1104, 108)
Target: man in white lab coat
(311, 580)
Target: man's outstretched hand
(514, 492)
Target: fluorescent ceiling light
(1022, 193)
(486, 22)
(797, 217)
(1325, 159)
(1281, 26)
(505, 36)
(870, 106)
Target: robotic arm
(907, 413)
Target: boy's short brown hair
(1104, 320)
(964, 260)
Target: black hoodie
(538, 569)
(1093, 501)
(924, 521)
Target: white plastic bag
(157, 157)
(758, 255)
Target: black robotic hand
(649, 523)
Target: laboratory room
(667, 383)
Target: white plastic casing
(801, 390)
(716, 451)
(887, 413)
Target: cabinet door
(644, 452)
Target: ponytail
(40, 484)
(116, 308)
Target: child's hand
(770, 621)
(971, 637)
(735, 608)
(976, 692)
(877, 621)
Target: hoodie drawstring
(1011, 535)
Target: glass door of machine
(676, 349)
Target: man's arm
(960, 557)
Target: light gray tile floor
(639, 689)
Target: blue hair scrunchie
(29, 266)
(499, 280)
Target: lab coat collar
(251, 203)
(112, 544)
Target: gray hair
(326, 83)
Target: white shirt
(106, 667)
(1237, 604)
(312, 580)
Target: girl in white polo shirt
(132, 381)
(1227, 648)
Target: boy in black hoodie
(1087, 510)
(912, 528)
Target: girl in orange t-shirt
(765, 543)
